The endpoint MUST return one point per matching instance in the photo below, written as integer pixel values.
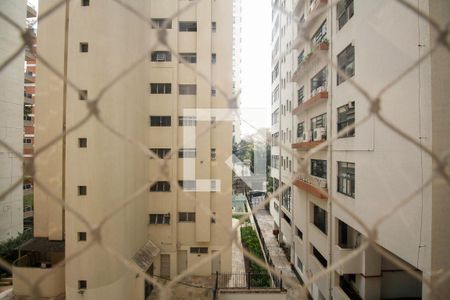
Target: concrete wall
(11, 118)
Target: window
(299, 233)
(213, 58)
(319, 81)
(275, 115)
(346, 117)
(186, 217)
(346, 63)
(275, 161)
(286, 198)
(27, 140)
(213, 154)
(188, 185)
(213, 92)
(85, 3)
(160, 186)
(199, 250)
(321, 34)
(300, 129)
(187, 153)
(213, 120)
(82, 236)
(158, 23)
(188, 26)
(346, 178)
(82, 284)
(160, 121)
(160, 88)
(320, 218)
(286, 218)
(214, 27)
(159, 219)
(299, 264)
(82, 142)
(82, 190)
(319, 168)
(301, 58)
(344, 12)
(160, 152)
(83, 95)
(84, 47)
(319, 121)
(187, 89)
(319, 257)
(276, 139)
(159, 56)
(187, 121)
(301, 95)
(213, 218)
(275, 72)
(190, 58)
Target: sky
(256, 65)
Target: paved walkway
(237, 259)
(279, 260)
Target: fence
(440, 160)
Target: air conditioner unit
(305, 137)
(351, 104)
(319, 133)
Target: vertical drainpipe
(279, 127)
(292, 129)
(64, 117)
(330, 154)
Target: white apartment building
(237, 60)
(370, 169)
(95, 171)
(11, 119)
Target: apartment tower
(11, 119)
(371, 168)
(96, 165)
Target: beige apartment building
(11, 119)
(94, 171)
(370, 169)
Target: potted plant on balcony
(323, 45)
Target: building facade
(11, 120)
(370, 169)
(159, 104)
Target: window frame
(186, 217)
(346, 178)
(157, 23)
(159, 219)
(187, 89)
(187, 26)
(341, 58)
(187, 121)
(160, 121)
(154, 56)
(320, 219)
(160, 186)
(319, 168)
(158, 88)
(346, 115)
(344, 8)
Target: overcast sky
(256, 64)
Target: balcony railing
(29, 77)
(319, 97)
(353, 266)
(310, 60)
(313, 185)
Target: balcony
(28, 98)
(39, 261)
(353, 266)
(29, 77)
(310, 60)
(29, 56)
(313, 185)
(298, 8)
(316, 99)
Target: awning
(145, 255)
